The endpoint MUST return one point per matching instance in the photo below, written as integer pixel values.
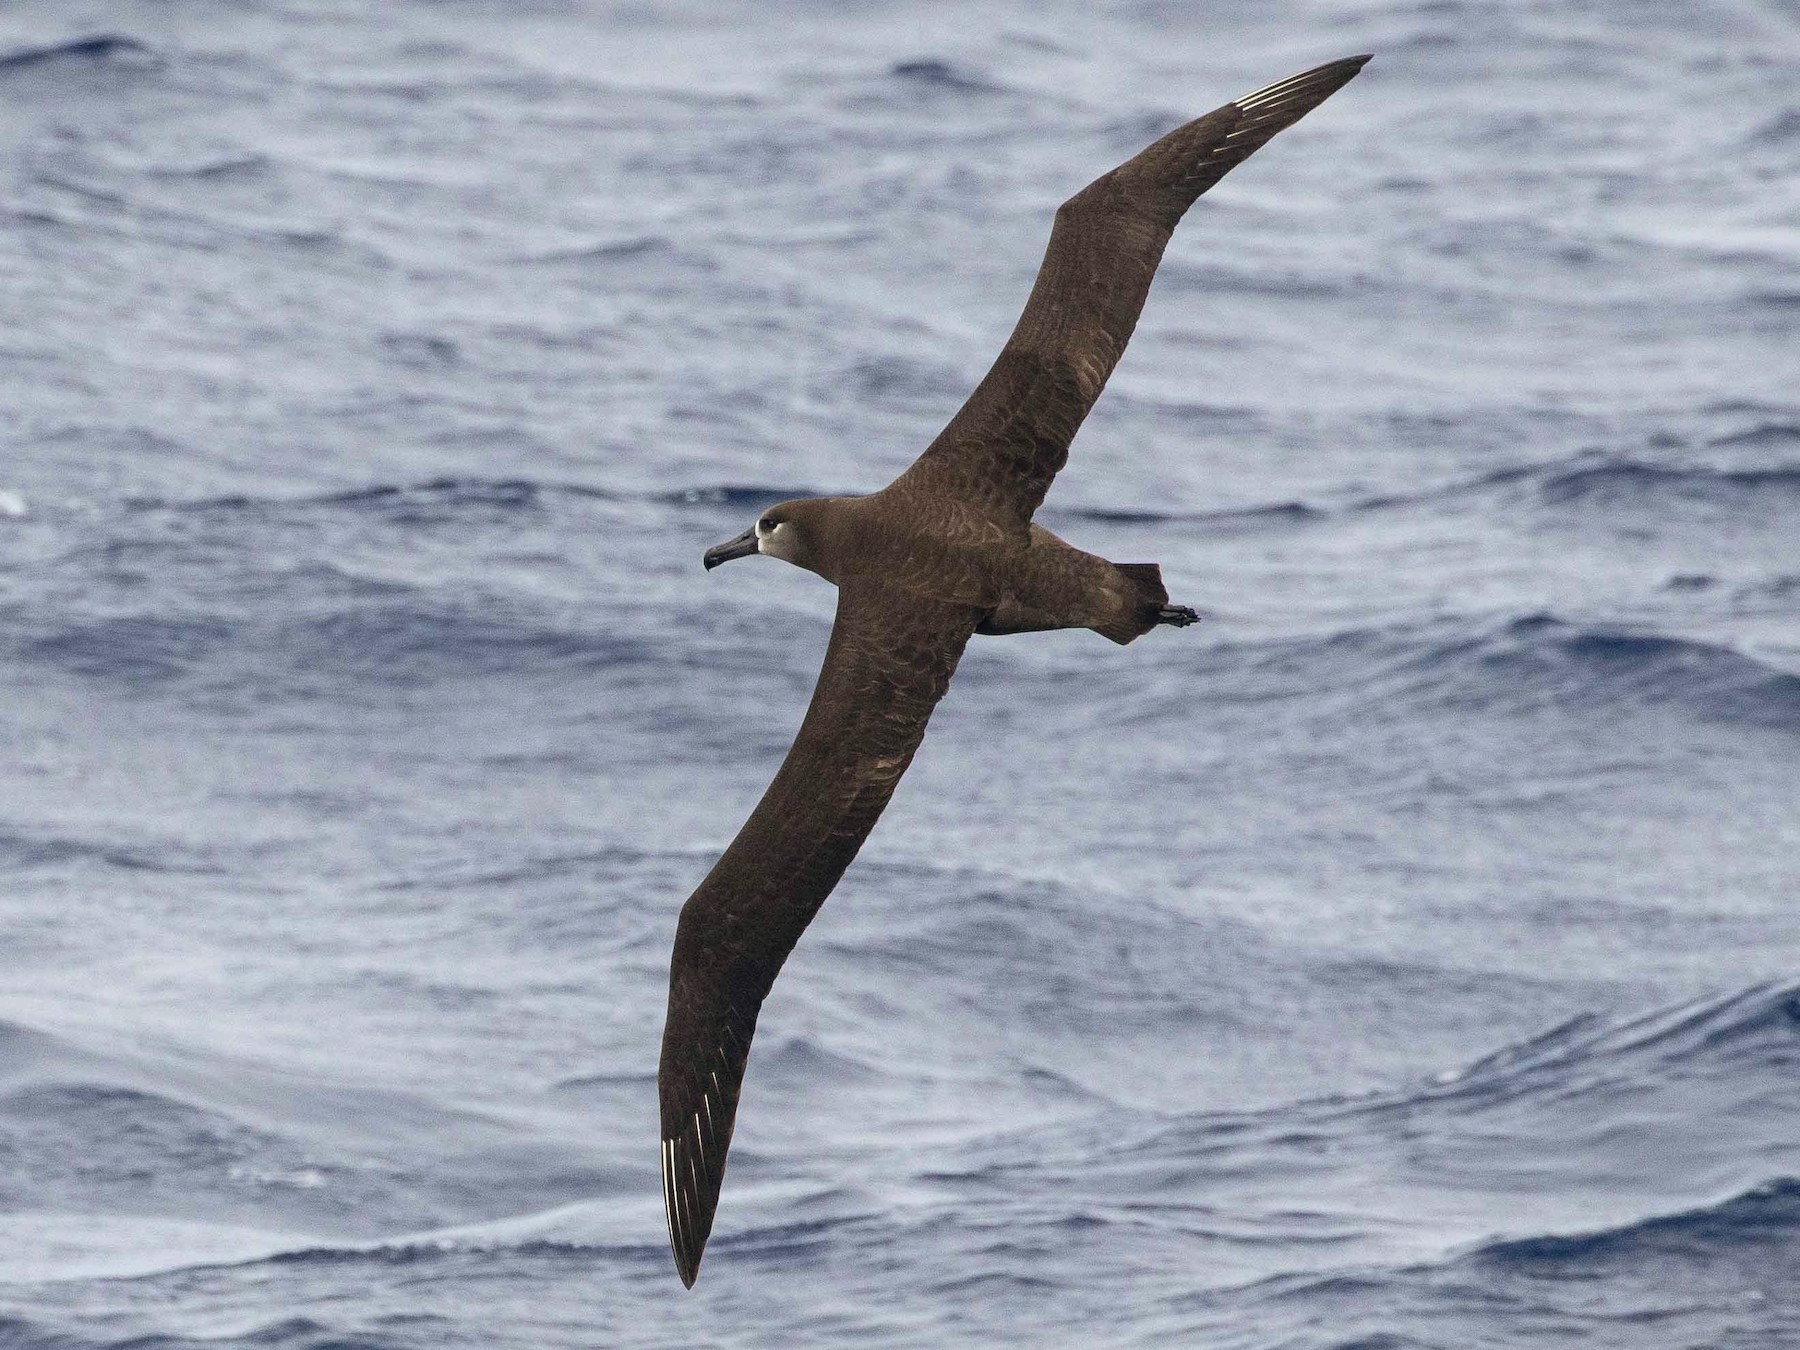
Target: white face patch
(775, 542)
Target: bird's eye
(766, 525)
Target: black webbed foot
(1179, 615)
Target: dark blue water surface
(1405, 957)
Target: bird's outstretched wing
(890, 658)
(1012, 436)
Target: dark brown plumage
(945, 551)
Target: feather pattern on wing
(890, 658)
(1009, 440)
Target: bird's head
(783, 531)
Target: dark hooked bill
(741, 547)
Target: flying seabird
(945, 551)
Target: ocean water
(1405, 957)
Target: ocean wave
(1182, 275)
(801, 1059)
(447, 494)
(935, 73)
(25, 1333)
(1592, 479)
(541, 868)
(580, 1232)
(1765, 1214)
(235, 164)
(101, 47)
(88, 1135)
(1637, 483)
(419, 641)
(1500, 667)
(421, 349)
(123, 1161)
(401, 1332)
(131, 649)
(900, 380)
(1764, 435)
(1268, 515)
(1701, 1087)
(21, 852)
(1752, 1030)
(1592, 664)
(445, 498)
(86, 199)
(1782, 129)
(1448, 1193)
(1582, 481)
(125, 1125)
(431, 1249)
(444, 495)
(734, 496)
(631, 248)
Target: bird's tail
(1145, 597)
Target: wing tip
(1308, 88)
(1335, 74)
(682, 1244)
(699, 1104)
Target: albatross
(945, 551)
